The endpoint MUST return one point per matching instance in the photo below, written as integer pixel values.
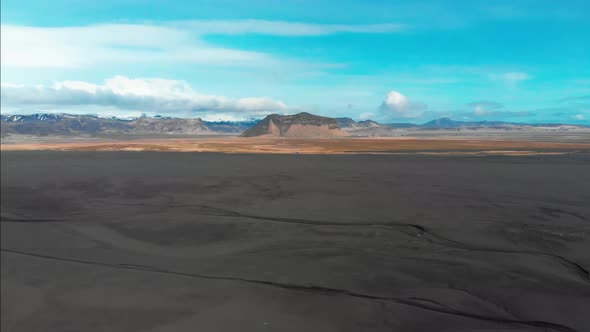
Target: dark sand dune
(148, 241)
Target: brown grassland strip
(315, 146)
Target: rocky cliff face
(298, 125)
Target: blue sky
(393, 61)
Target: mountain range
(88, 125)
(297, 125)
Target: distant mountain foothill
(299, 125)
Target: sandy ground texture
(314, 146)
(151, 241)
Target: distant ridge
(230, 127)
(169, 126)
(446, 122)
(297, 125)
(350, 123)
(87, 125)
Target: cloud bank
(85, 46)
(121, 94)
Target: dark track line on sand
(419, 232)
(26, 220)
(443, 241)
(220, 212)
(230, 213)
(554, 212)
(305, 288)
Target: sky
(390, 61)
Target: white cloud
(282, 28)
(84, 46)
(483, 108)
(511, 77)
(367, 116)
(124, 95)
(396, 102)
(480, 110)
(75, 47)
(396, 105)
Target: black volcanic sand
(142, 241)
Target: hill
(230, 127)
(297, 125)
(169, 126)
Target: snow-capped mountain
(43, 124)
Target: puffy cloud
(576, 107)
(396, 102)
(396, 105)
(367, 116)
(151, 95)
(578, 117)
(481, 108)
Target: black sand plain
(148, 241)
